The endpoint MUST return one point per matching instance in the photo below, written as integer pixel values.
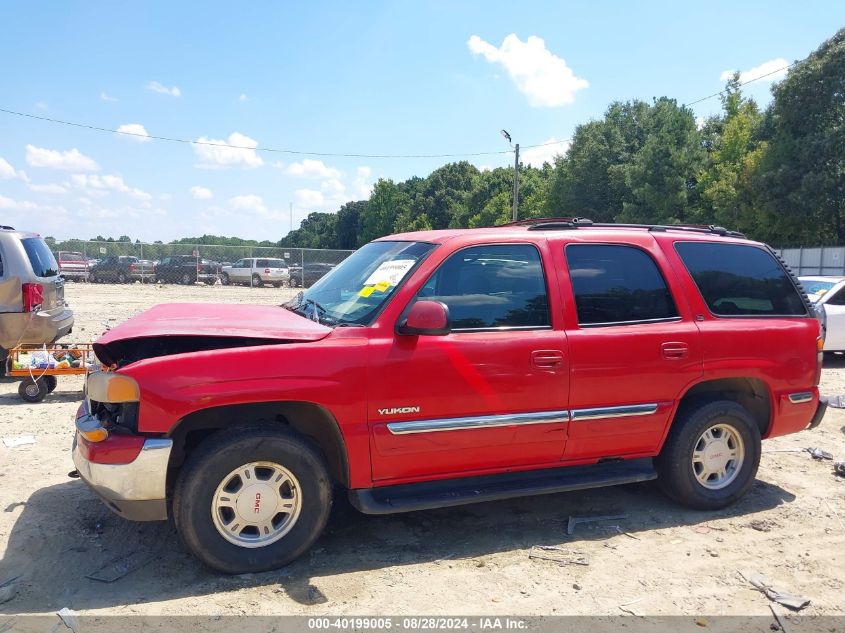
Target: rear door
(490, 395)
(46, 269)
(633, 345)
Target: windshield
(354, 291)
(815, 288)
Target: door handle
(547, 359)
(674, 350)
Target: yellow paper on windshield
(366, 291)
(382, 286)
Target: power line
(275, 150)
(744, 83)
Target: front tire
(256, 281)
(711, 456)
(224, 279)
(251, 499)
(186, 279)
(122, 278)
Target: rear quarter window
(740, 280)
(40, 257)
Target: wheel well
(751, 393)
(308, 419)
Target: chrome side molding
(480, 422)
(625, 411)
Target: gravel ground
(660, 560)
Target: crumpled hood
(203, 326)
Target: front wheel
(711, 456)
(256, 281)
(186, 279)
(122, 278)
(224, 279)
(251, 499)
(32, 390)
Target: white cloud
(71, 160)
(49, 188)
(98, 186)
(361, 185)
(15, 205)
(40, 105)
(333, 192)
(243, 97)
(201, 193)
(536, 156)
(485, 168)
(6, 170)
(775, 66)
(309, 198)
(252, 204)
(238, 151)
(538, 73)
(155, 86)
(309, 168)
(107, 97)
(134, 132)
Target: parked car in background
(32, 293)
(121, 269)
(442, 368)
(73, 265)
(256, 271)
(186, 269)
(308, 275)
(828, 295)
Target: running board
(456, 492)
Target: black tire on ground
(674, 464)
(185, 279)
(294, 282)
(256, 281)
(224, 279)
(93, 278)
(32, 390)
(210, 282)
(51, 382)
(122, 278)
(213, 460)
(278, 284)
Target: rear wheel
(711, 456)
(51, 382)
(224, 279)
(256, 281)
(122, 278)
(186, 279)
(251, 499)
(32, 390)
(210, 281)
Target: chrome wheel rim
(32, 390)
(256, 504)
(717, 456)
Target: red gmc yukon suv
(447, 367)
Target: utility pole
(515, 173)
(291, 217)
(516, 183)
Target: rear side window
(40, 257)
(491, 287)
(262, 263)
(616, 284)
(740, 280)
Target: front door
(490, 395)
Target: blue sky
(390, 77)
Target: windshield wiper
(300, 301)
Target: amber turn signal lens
(820, 344)
(96, 435)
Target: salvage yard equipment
(40, 366)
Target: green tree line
(776, 174)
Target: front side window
(740, 280)
(492, 287)
(615, 284)
(355, 291)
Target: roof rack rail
(3, 227)
(552, 224)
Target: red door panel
(464, 381)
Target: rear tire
(256, 281)
(32, 390)
(51, 382)
(185, 279)
(213, 504)
(224, 279)
(122, 278)
(711, 456)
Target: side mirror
(426, 318)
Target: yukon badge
(396, 410)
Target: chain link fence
(121, 262)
